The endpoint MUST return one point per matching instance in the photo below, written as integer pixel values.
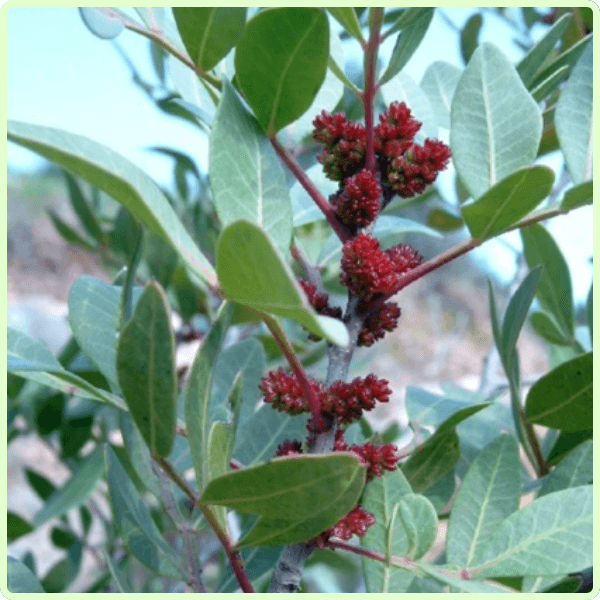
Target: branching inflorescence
(370, 273)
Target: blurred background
(60, 75)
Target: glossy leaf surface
(280, 63)
(563, 398)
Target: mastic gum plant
(248, 467)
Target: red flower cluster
(356, 522)
(406, 168)
(369, 271)
(375, 326)
(345, 145)
(357, 204)
(346, 401)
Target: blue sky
(60, 75)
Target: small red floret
(357, 204)
(375, 326)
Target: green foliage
(207, 485)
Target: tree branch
(237, 566)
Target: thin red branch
(313, 401)
(370, 90)
(299, 173)
(237, 566)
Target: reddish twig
(237, 566)
(370, 90)
(298, 172)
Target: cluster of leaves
(221, 263)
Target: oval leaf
(286, 488)
(246, 177)
(120, 179)
(346, 17)
(573, 118)
(557, 527)
(252, 273)
(146, 370)
(103, 23)
(563, 398)
(19, 579)
(489, 493)
(280, 63)
(496, 124)
(209, 33)
(574, 470)
(545, 326)
(508, 201)
(469, 36)
(580, 195)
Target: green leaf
(469, 36)
(70, 235)
(257, 561)
(489, 493)
(252, 273)
(530, 65)
(120, 179)
(146, 368)
(94, 320)
(515, 315)
(135, 524)
(546, 87)
(208, 34)
(16, 526)
(566, 442)
(246, 177)
(443, 220)
(198, 391)
(220, 438)
(379, 498)
(545, 326)
(419, 521)
(557, 527)
(439, 83)
(118, 577)
(103, 23)
(554, 290)
(75, 492)
(563, 398)
(496, 126)
(407, 42)
(42, 486)
(59, 576)
(83, 210)
(270, 531)
(19, 579)
(31, 359)
(62, 538)
(567, 58)
(286, 488)
(573, 118)
(455, 581)
(259, 437)
(280, 63)
(577, 196)
(494, 317)
(507, 201)
(138, 453)
(432, 461)
(574, 470)
(346, 17)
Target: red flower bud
(288, 448)
(357, 204)
(375, 326)
(377, 458)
